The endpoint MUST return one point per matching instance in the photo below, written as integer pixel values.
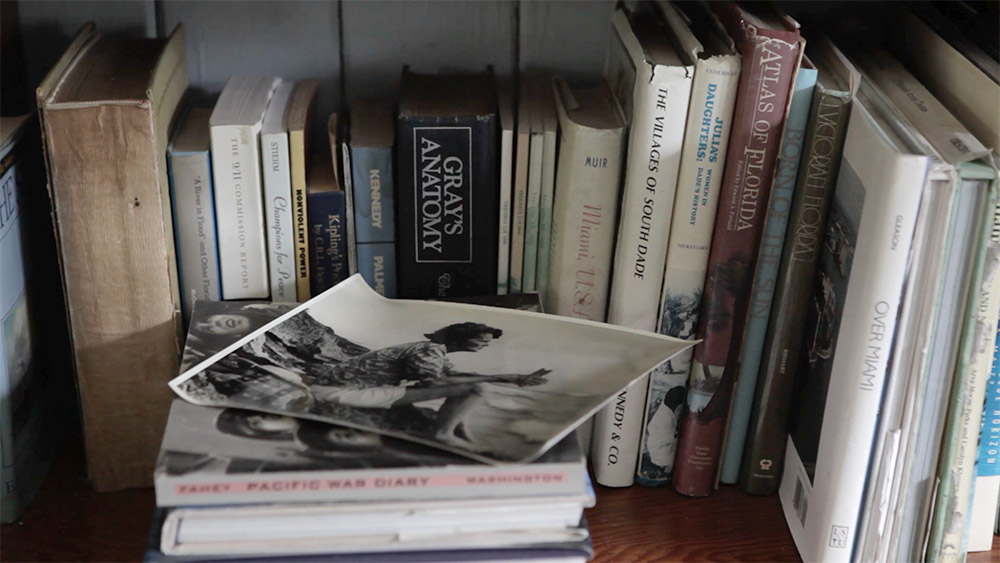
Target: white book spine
(583, 220)
(531, 213)
(194, 217)
(278, 215)
(239, 211)
(519, 204)
(506, 180)
(702, 160)
(660, 108)
(823, 511)
(545, 214)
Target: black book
(448, 187)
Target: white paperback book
(278, 195)
(190, 169)
(706, 140)
(235, 126)
(536, 145)
(550, 125)
(519, 201)
(860, 285)
(661, 90)
(506, 112)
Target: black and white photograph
(491, 384)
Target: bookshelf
(357, 49)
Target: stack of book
(232, 482)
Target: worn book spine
(706, 142)
(375, 216)
(767, 434)
(278, 206)
(770, 61)
(343, 155)
(327, 240)
(765, 277)
(107, 172)
(239, 211)
(660, 97)
(447, 207)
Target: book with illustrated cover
(767, 434)
(771, 47)
(706, 141)
(447, 185)
(354, 358)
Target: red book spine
(770, 61)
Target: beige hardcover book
(300, 110)
(106, 109)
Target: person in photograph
(414, 372)
(661, 429)
(326, 442)
(211, 333)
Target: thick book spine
(375, 216)
(656, 137)
(447, 207)
(545, 213)
(767, 434)
(706, 141)
(278, 211)
(762, 292)
(531, 212)
(769, 67)
(327, 240)
(194, 225)
(239, 211)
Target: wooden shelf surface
(68, 521)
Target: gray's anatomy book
(214, 456)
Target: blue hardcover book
(193, 205)
(327, 214)
(377, 264)
(372, 134)
(766, 276)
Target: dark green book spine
(767, 435)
